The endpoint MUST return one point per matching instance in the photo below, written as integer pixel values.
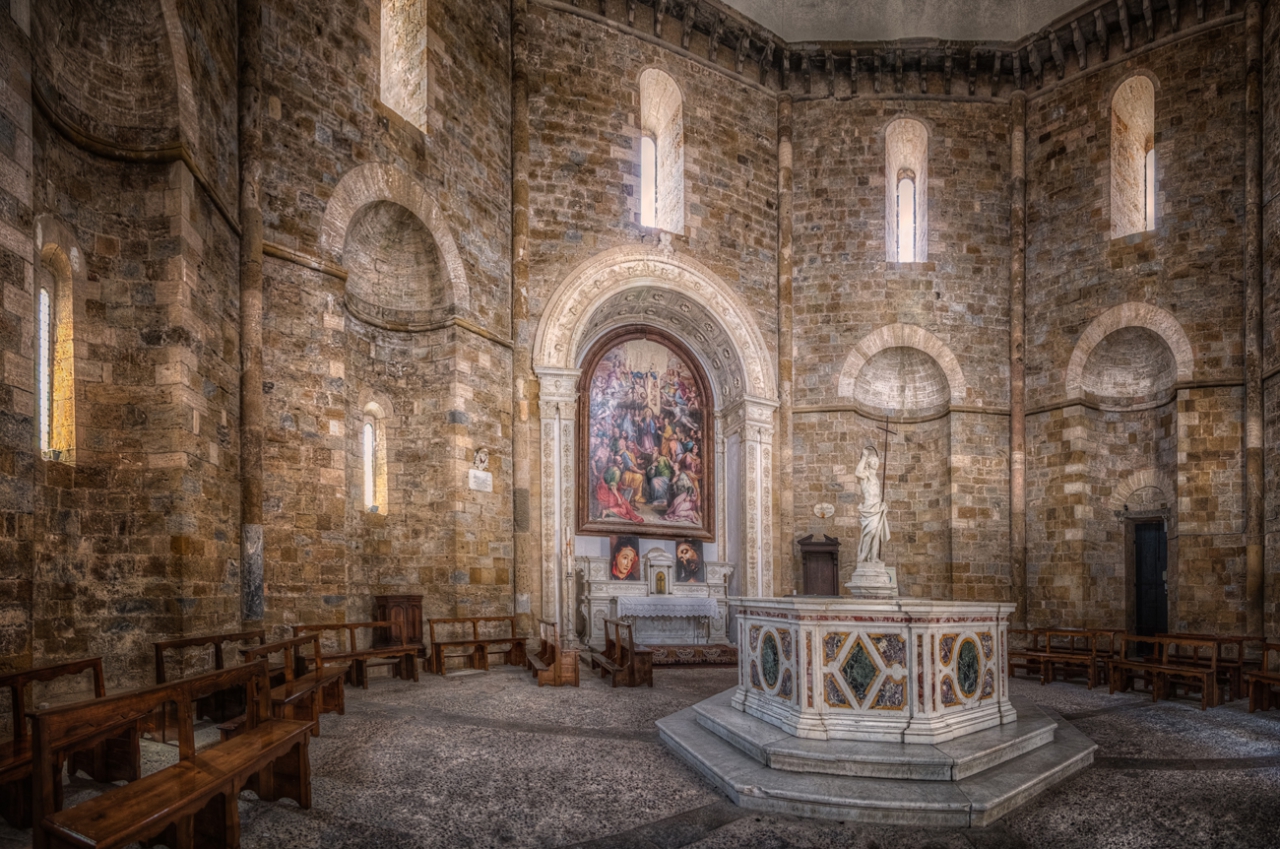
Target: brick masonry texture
(139, 538)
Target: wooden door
(820, 576)
(1151, 594)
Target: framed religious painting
(645, 439)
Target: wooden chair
(113, 759)
(188, 804)
(402, 657)
(552, 664)
(476, 645)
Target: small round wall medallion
(824, 510)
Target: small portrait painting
(690, 567)
(624, 558)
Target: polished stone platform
(970, 781)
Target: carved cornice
(920, 68)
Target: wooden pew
(1070, 650)
(1263, 682)
(622, 660)
(1029, 656)
(219, 707)
(113, 759)
(299, 696)
(1176, 662)
(403, 657)
(552, 664)
(1230, 659)
(477, 645)
(192, 803)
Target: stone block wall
(1190, 266)
(1271, 305)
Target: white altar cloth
(666, 606)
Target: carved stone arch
(903, 336)
(379, 182)
(1132, 314)
(566, 320)
(1139, 480)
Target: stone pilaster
(786, 369)
(1017, 358)
(750, 423)
(558, 407)
(1254, 482)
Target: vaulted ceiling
(857, 20)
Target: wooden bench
(113, 759)
(1175, 662)
(218, 707)
(622, 661)
(1028, 656)
(1230, 660)
(1264, 681)
(477, 646)
(402, 658)
(1071, 650)
(552, 664)
(192, 803)
(300, 696)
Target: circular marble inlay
(769, 660)
(967, 668)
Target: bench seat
(144, 808)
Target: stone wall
(1190, 266)
(1271, 305)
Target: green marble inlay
(769, 660)
(860, 671)
(967, 667)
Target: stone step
(950, 761)
(977, 800)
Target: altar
(661, 611)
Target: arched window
(906, 144)
(1133, 157)
(373, 453)
(404, 60)
(55, 360)
(661, 152)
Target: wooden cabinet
(406, 612)
(821, 565)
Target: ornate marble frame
(744, 413)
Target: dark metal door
(1151, 593)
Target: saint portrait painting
(624, 558)
(645, 423)
(690, 567)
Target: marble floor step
(950, 761)
(977, 800)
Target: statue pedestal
(888, 670)
(873, 579)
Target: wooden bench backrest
(1070, 640)
(348, 639)
(292, 650)
(1230, 649)
(623, 642)
(1034, 637)
(215, 640)
(17, 682)
(474, 622)
(549, 637)
(1172, 650)
(1270, 657)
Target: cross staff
(884, 460)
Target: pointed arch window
(661, 152)
(373, 458)
(906, 191)
(55, 360)
(1133, 157)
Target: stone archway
(679, 295)
(377, 183)
(1133, 314)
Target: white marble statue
(875, 519)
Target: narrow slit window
(906, 220)
(370, 455)
(648, 182)
(1151, 189)
(44, 369)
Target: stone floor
(490, 760)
